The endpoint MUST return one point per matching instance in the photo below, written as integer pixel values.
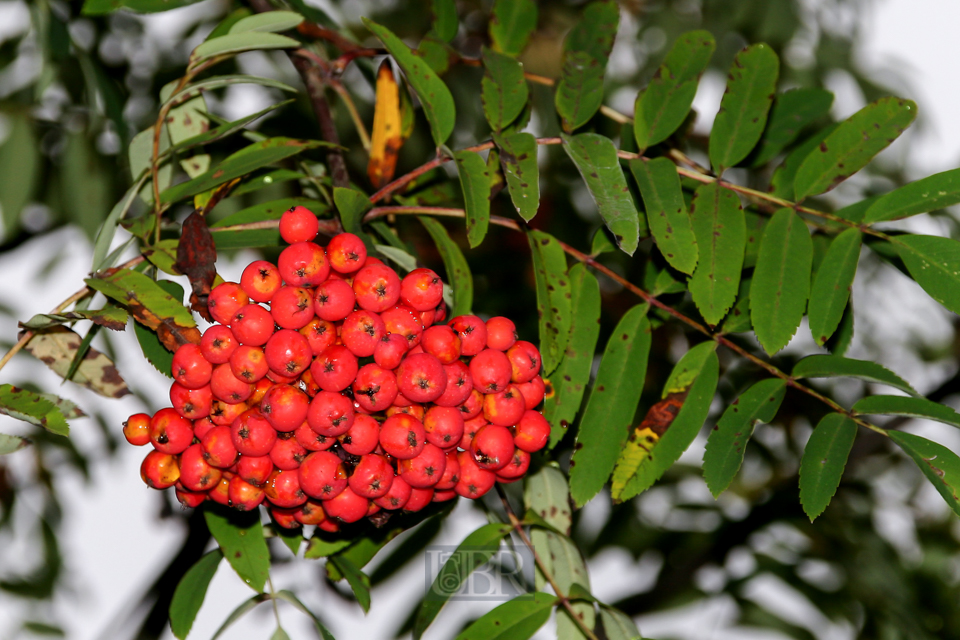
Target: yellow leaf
(386, 141)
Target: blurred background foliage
(75, 89)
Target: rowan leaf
(518, 158)
(475, 182)
(32, 407)
(511, 25)
(909, 407)
(831, 285)
(728, 440)
(234, 43)
(792, 112)
(934, 262)
(666, 212)
(241, 540)
(503, 89)
(111, 317)
(458, 271)
(516, 619)
(221, 131)
(9, 444)
(639, 464)
(570, 380)
(20, 167)
(781, 183)
(939, 464)
(243, 609)
(579, 92)
(56, 348)
(190, 592)
(824, 459)
(196, 259)
(595, 30)
(617, 625)
(476, 549)
(781, 280)
(445, 21)
(611, 406)
(663, 105)
(292, 598)
(852, 145)
(357, 579)
(721, 233)
(570, 574)
(928, 194)
(553, 297)
(751, 86)
(824, 366)
(546, 494)
(269, 21)
(386, 138)
(434, 95)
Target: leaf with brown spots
(111, 317)
(939, 464)
(728, 440)
(33, 408)
(518, 157)
(386, 138)
(9, 444)
(196, 259)
(240, 536)
(475, 182)
(553, 297)
(150, 305)
(56, 348)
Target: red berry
(375, 388)
(221, 493)
(252, 435)
(160, 470)
(303, 264)
(170, 432)
(330, 414)
(225, 300)
(362, 437)
(311, 440)
(372, 476)
(532, 432)
(472, 332)
(443, 496)
(218, 448)
(192, 404)
(310, 512)
(421, 289)
(377, 287)
(421, 377)
(425, 469)
(516, 468)
(190, 368)
(419, 498)
(287, 453)
(202, 426)
(255, 469)
(284, 517)
(396, 497)
(504, 408)
(218, 344)
(137, 429)
(443, 426)
(292, 307)
(227, 387)
(402, 436)
(283, 489)
(492, 447)
(361, 332)
(335, 368)
(403, 320)
(285, 407)
(470, 428)
(288, 353)
(474, 481)
(320, 334)
(189, 499)
(346, 252)
(322, 475)
(451, 472)
(260, 280)
(501, 333)
(223, 413)
(459, 385)
(244, 496)
(472, 406)
(524, 361)
(298, 224)
(390, 350)
(490, 370)
(248, 363)
(252, 325)
(196, 474)
(532, 391)
(442, 342)
(347, 506)
(333, 300)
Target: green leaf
(280, 634)
(240, 537)
(458, 271)
(852, 144)
(292, 598)
(248, 159)
(217, 82)
(84, 177)
(352, 205)
(357, 579)
(101, 7)
(33, 408)
(9, 444)
(595, 30)
(20, 167)
(596, 159)
(517, 619)
(611, 406)
(934, 262)
(824, 459)
(222, 131)
(939, 464)
(319, 547)
(108, 229)
(601, 243)
(751, 86)
(245, 607)
(190, 592)
(573, 374)
(445, 21)
(781, 184)
(434, 96)
(503, 89)
(728, 440)
(475, 182)
(929, 194)
(235, 43)
(570, 574)
(148, 302)
(270, 210)
(187, 120)
(400, 257)
(546, 493)
(781, 280)
(907, 407)
(579, 92)
(553, 297)
(476, 549)
(269, 21)
(511, 24)
(638, 467)
(831, 285)
(617, 625)
(664, 104)
(110, 316)
(721, 233)
(824, 366)
(291, 538)
(667, 215)
(518, 157)
(791, 113)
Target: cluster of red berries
(347, 396)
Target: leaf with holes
(934, 262)
(781, 280)
(458, 271)
(240, 537)
(612, 404)
(572, 376)
(908, 407)
(434, 95)
(791, 113)
(664, 104)
(831, 286)
(596, 159)
(824, 366)
(518, 158)
(721, 232)
(553, 297)
(728, 440)
(824, 459)
(667, 214)
(56, 348)
(503, 90)
(852, 145)
(475, 182)
(511, 25)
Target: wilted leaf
(56, 347)
(385, 140)
(196, 259)
(111, 317)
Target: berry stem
(564, 599)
